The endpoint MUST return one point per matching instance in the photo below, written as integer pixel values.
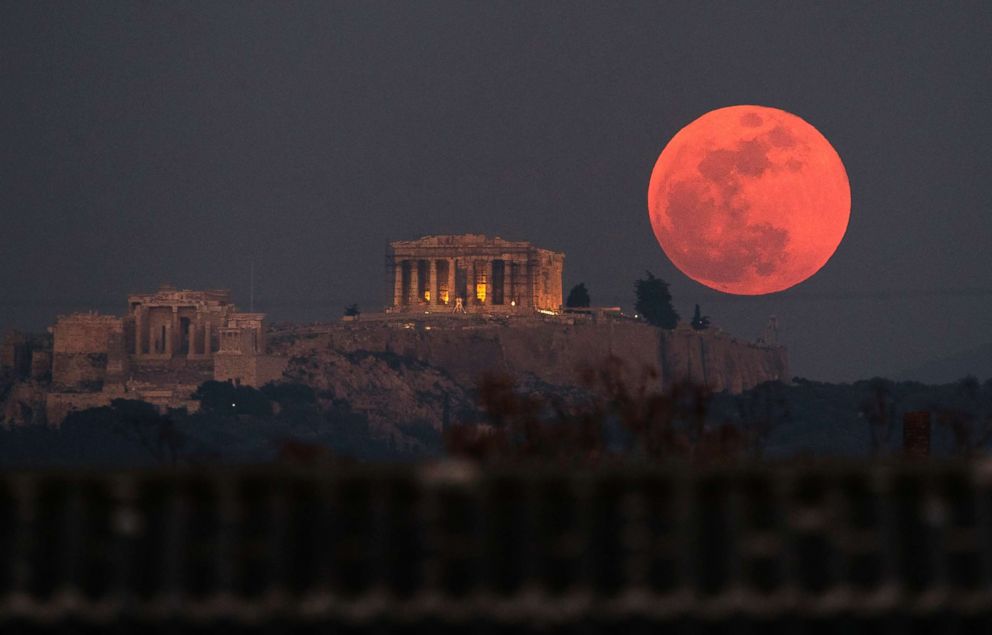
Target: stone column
(432, 284)
(194, 328)
(533, 288)
(509, 281)
(451, 282)
(173, 335)
(191, 339)
(490, 286)
(470, 282)
(397, 282)
(415, 282)
(139, 322)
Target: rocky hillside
(426, 372)
(412, 376)
(395, 393)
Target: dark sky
(143, 143)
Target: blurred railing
(450, 546)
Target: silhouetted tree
(654, 301)
(967, 416)
(6, 383)
(352, 310)
(700, 322)
(578, 296)
(878, 408)
(224, 398)
(137, 422)
(623, 417)
(290, 396)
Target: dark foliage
(226, 399)
(352, 310)
(654, 302)
(618, 415)
(578, 297)
(7, 381)
(878, 410)
(293, 426)
(290, 396)
(969, 420)
(620, 421)
(136, 423)
(700, 322)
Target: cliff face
(393, 392)
(554, 353)
(24, 404)
(399, 372)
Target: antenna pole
(251, 267)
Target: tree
(578, 296)
(352, 310)
(290, 395)
(878, 408)
(700, 322)
(137, 423)
(654, 302)
(225, 399)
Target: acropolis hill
(461, 306)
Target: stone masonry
(167, 344)
(171, 323)
(472, 272)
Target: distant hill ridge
(976, 362)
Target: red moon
(749, 200)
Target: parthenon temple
(472, 272)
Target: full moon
(749, 200)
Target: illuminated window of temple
(427, 295)
(480, 291)
(444, 297)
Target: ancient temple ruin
(192, 324)
(167, 344)
(171, 323)
(473, 272)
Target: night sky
(145, 143)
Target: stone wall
(58, 405)
(79, 372)
(556, 352)
(164, 396)
(15, 355)
(81, 344)
(84, 332)
(248, 370)
(41, 365)
(548, 282)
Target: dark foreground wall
(828, 549)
